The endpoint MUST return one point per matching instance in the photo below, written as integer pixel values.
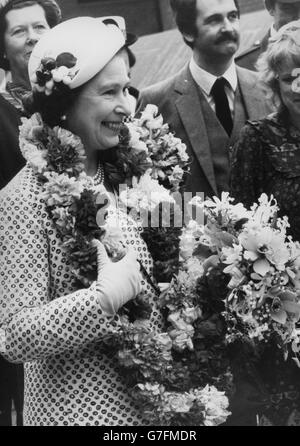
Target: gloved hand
(117, 282)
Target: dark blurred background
(142, 16)
(160, 49)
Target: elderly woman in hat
(55, 309)
(22, 23)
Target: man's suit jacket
(178, 100)
(11, 159)
(248, 58)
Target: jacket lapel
(190, 112)
(265, 41)
(240, 117)
(255, 106)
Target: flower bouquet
(262, 262)
(164, 384)
(154, 194)
(250, 278)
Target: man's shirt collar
(206, 80)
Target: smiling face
(24, 27)
(217, 26)
(289, 97)
(98, 112)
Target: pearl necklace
(99, 177)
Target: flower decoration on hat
(53, 72)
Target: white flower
(164, 340)
(146, 194)
(237, 277)
(67, 79)
(182, 150)
(197, 201)
(61, 190)
(189, 239)
(155, 389)
(136, 138)
(38, 160)
(150, 117)
(176, 175)
(177, 402)
(49, 87)
(265, 209)
(222, 207)
(31, 129)
(63, 218)
(59, 73)
(195, 268)
(232, 255)
(264, 245)
(215, 405)
(187, 245)
(191, 314)
(68, 138)
(179, 323)
(149, 112)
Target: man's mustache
(227, 35)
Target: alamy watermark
(151, 211)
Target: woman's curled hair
(282, 51)
(52, 13)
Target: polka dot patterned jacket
(52, 328)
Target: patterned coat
(53, 328)
(266, 159)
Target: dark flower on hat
(66, 60)
(49, 63)
(43, 77)
(53, 72)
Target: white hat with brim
(91, 42)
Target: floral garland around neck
(57, 156)
(156, 364)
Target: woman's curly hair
(52, 13)
(282, 51)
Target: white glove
(117, 282)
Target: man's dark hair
(185, 16)
(52, 13)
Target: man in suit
(283, 12)
(209, 100)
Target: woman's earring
(64, 118)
